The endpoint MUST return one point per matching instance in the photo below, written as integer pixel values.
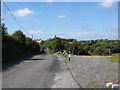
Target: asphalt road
(32, 72)
(51, 71)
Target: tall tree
(19, 36)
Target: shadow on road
(37, 59)
(8, 65)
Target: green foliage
(54, 44)
(90, 47)
(18, 35)
(28, 41)
(71, 40)
(17, 46)
(13, 49)
(42, 47)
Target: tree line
(17, 45)
(88, 47)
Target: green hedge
(13, 49)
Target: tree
(54, 44)
(35, 47)
(42, 47)
(74, 47)
(28, 41)
(18, 35)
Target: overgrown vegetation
(17, 45)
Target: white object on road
(115, 85)
(109, 84)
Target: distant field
(91, 56)
(114, 58)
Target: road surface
(35, 72)
(52, 71)
(93, 72)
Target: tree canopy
(19, 36)
(88, 47)
(17, 45)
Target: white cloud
(62, 16)
(35, 32)
(23, 12)
(107, 3)
(113, 27)
(83, 33)
(50, 0)
(58, 33)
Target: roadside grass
(115, 58)
(97, 81)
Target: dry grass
(92, 56)
(115, 58)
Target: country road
(53, 71)
(35, 72)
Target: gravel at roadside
(88, 72)
(93, 72)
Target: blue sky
(79, 20)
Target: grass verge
(115, 58)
